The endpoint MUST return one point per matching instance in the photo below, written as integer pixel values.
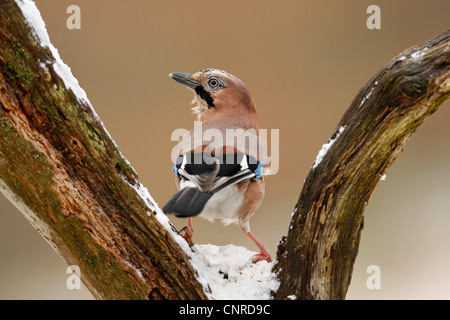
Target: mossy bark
(317, 256)
(60, 167)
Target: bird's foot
(188, 232)
(263, 256)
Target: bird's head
(215, 91)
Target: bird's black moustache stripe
(205, 96)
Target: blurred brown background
(303, 61)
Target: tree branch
(316, 258)
(60, 167)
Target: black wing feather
(187, 202)
(210, 175)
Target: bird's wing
(210, 174)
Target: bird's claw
(263, 256)
(188, 233)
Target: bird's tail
(187, 202)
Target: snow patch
(368, 95)
(326, 147)
(37, 24)
(294, 211)
(138, 272)
(419, 53)
(230, 274)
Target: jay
(221, 179)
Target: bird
(221, 179)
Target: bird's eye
(213, 83)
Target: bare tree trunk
(59, 166)
(316, 259)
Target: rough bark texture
(317, 256)
(60, 167)
(63, 171)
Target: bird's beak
(183, 78)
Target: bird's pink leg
(264, 255)
(188, 232)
